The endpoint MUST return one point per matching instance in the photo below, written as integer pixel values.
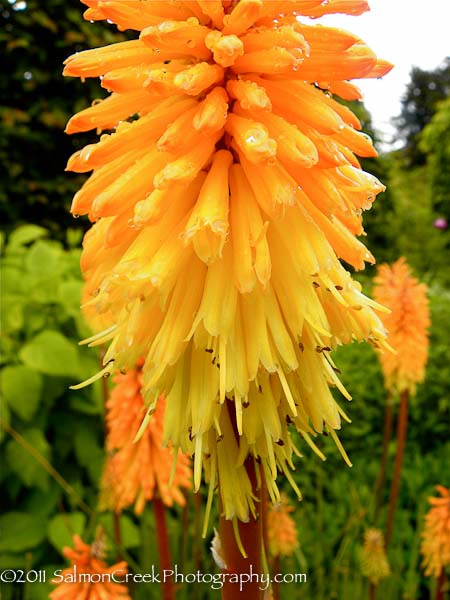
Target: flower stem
(275, 584)
(440, 588)
(402, 423)
(251, 537)
(387, 434)
(372, 591)
(165, 561)
(117, 535)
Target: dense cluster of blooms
(407, 325)
(436, 534)
(224, 192)
(136, 472)
(97, 581)
(374, 563)
(281, 529)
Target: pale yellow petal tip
(106, 372)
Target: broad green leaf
(26, 234)
(62, 528)
(12, 313)
(21, 390)
(44, 260)
(13, 561)
(129, 532)
(69, 295)
(88, 451)
(43, 503)
(52, 353)
(74, 237)
(20, 531)
(89, 405)
(24, 464)
(86, 444)
(42, 590)
(35, 320)
(13, 280)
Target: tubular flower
(224, 192)
(436, 534)
(98, 579)
(136, 472)
(281, 529)
(407, 325)
(374, 563)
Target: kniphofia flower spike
(281, 529)
(135, 473)
(407, 325)
(374, 562)
(224, 191)
(436, 534)
(99, 581)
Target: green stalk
(387, 434)
(402, 423)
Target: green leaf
(13, 561)
(26, 234)
(43, 503)
(24, 464)
(86, 444)
(128, 530)
(69, 295)
(62, 528)
(13, 281)
(88, 452)
(20, 531)
(91, 405)
(44, 260)
(73, 237)
(52, 353)
(12, 313)
(41, 591)
(21, 390)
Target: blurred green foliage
(435, 143)
(40, 359)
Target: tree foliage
(435, 143)
(419, 103)
(35, 104)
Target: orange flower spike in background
(221, 209)
(88, 560)
(281, 529)
(407, 325)
(435, 547)
(137, 472)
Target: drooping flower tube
(407, 326)
(136, 473)
(224, 192)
